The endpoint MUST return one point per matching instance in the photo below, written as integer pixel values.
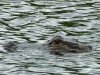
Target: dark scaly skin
(11, 46)
(59, 44)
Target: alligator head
(59, 44)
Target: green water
(37, 20)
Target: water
(37, 20)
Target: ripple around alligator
(35, 21)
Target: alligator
(56, 45)
(10, 46)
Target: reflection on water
(35, 21)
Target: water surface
(35, 21)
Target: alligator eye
(57, 42)
(52, 43)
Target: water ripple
(34, 21)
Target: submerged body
(56, 45)
(10, 46)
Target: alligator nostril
(90, 47)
